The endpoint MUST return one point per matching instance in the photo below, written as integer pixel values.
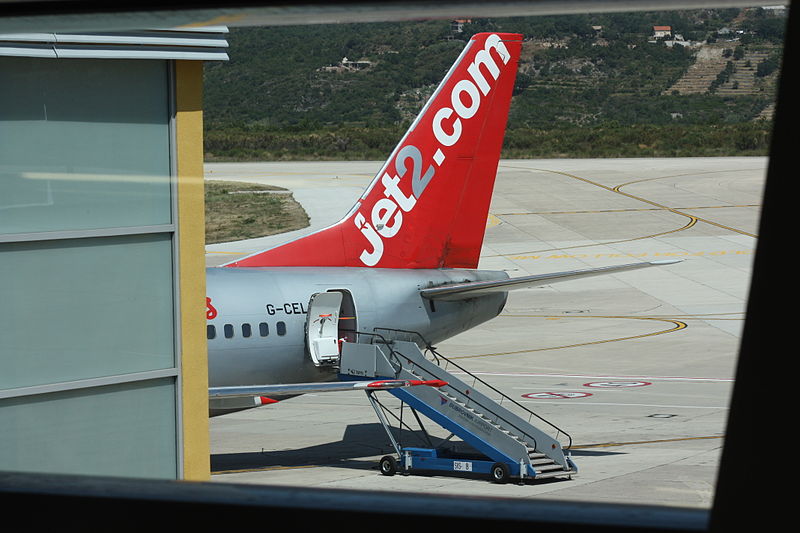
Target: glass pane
(72, 137)
(120, 430)
(85, 308)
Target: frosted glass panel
(85, 308)
(120, 430)
(84, 144)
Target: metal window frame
(198, 44)
(176, 274)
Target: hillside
(349, 91)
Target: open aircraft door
(322, 327)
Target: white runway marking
(589, 377)
(607, 404)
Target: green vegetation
(587, 86)
(237, 210)
(722, 77)
(639, 141)
(769, 65)
(255, 142)
(610, 140)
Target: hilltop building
(457, 25)
(659, 32)
(347, 65)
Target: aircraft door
(322, 328)
(348, 321)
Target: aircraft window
(246, 330)
(281, 327)
(228, 331)
(211, 331)
(263, 329)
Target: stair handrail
(427, 344)
(437, 355)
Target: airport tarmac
(637, 367)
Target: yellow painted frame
(191, 268)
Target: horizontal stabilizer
(293, 389)
(462, 291)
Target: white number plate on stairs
(462, 466)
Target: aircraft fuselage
(258, 317)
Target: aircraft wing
(463, 291)
(263, 392)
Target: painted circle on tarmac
(555, 395)
(616, 384)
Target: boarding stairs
(496, 426)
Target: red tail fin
(427, 207)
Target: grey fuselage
(257, 317)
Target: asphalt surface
(637, 367)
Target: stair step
(553, 474)
(549, 468)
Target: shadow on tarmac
(358, 442)
(357, 450)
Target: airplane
(403, 258)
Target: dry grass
(236, 210)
